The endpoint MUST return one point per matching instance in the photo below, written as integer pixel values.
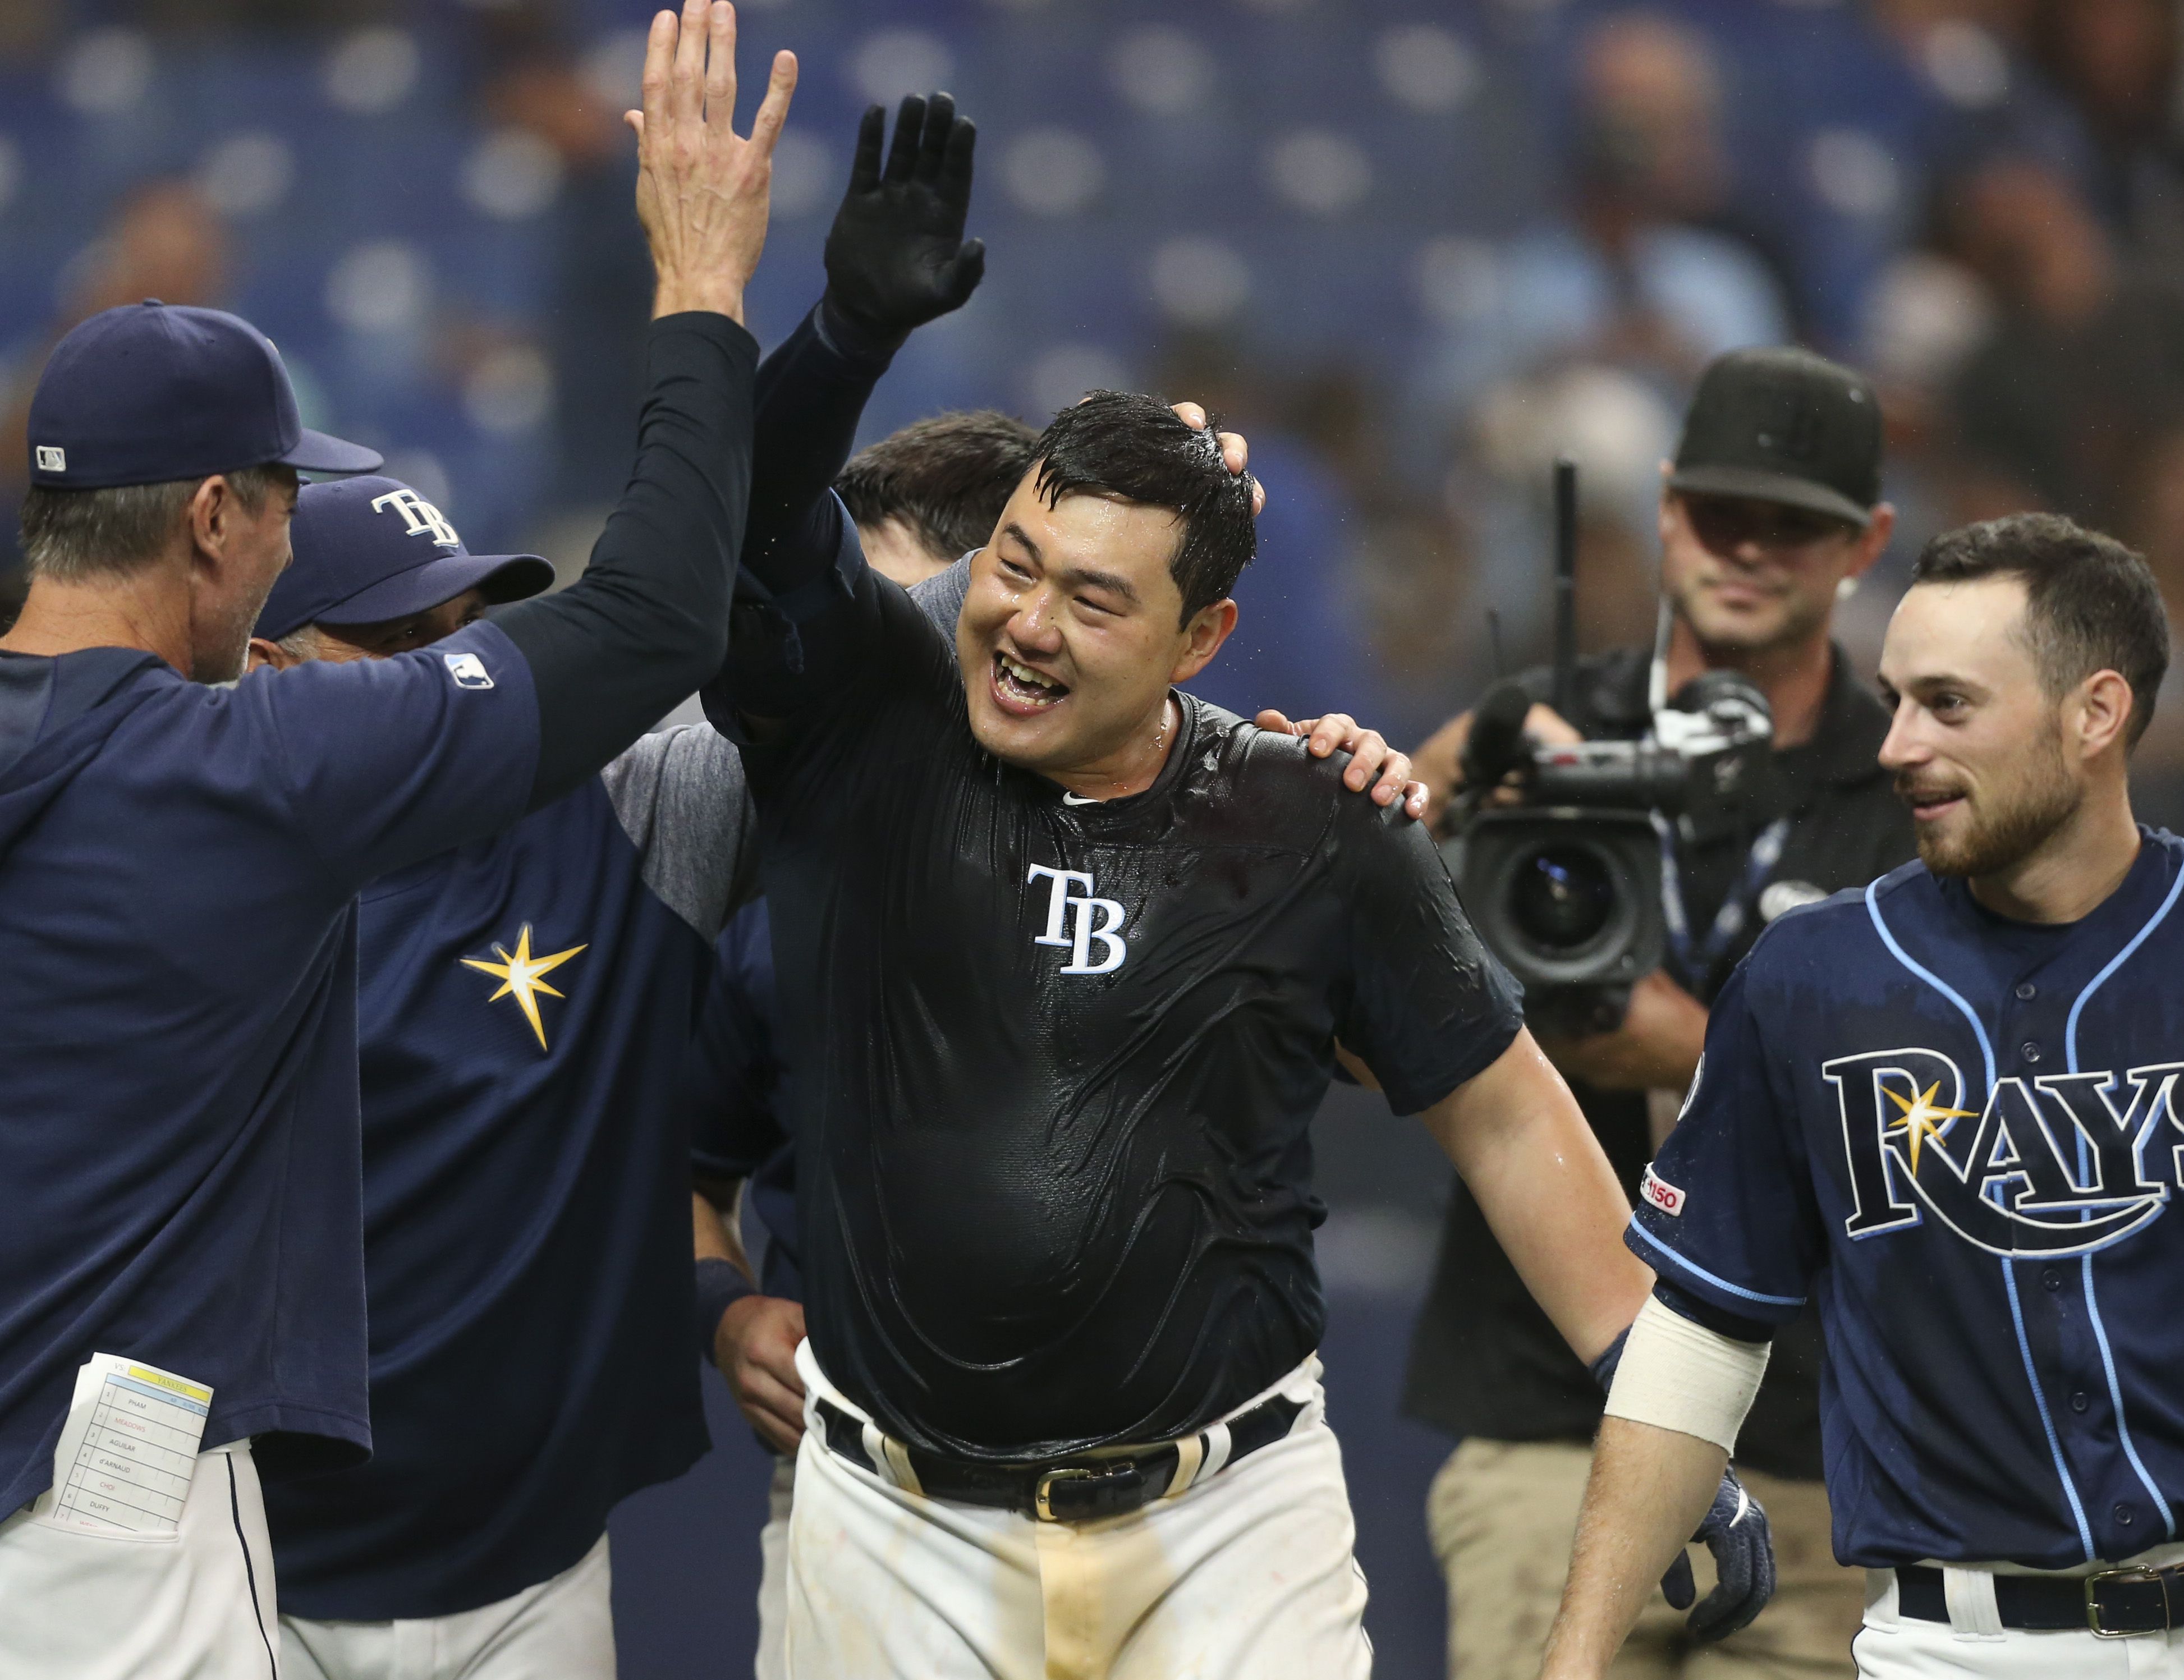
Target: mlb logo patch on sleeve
(468, 671)
(1661, 1193)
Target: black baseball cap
(153, 392)
(369, 550)
(1783, 424)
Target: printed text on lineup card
(133, 1469)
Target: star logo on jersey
(2058, 1164)
(1923, 1119)
(522, 976)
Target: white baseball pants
(1246, 1574)
(195, 1605)
(562, 1629)
(1893, 1647)
(774, 1572)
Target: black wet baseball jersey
(1063, 1057)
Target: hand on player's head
(896, 256)
(1106, 582)
(703, 193)
(1235, 452)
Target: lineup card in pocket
(128, 1450)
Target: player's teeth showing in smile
(1023, 686)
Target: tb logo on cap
(420, 516)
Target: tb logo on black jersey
(2062, 1166)
(1079, 911)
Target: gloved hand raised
(1735, 1530)
(896, 256)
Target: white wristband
(1681, 1375)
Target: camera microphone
(1495, 745)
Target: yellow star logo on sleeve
(522, 976)
(1923, 1119)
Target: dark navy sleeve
(1726, 1212)
(735, 1072)
(1429, 1006)
(648, 620)
(385, 762)
(811, 394)
(862, 636)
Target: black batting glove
(1735, 1530)
(896, 256)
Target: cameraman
(1771, 509)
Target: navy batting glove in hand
(896, 256)
(1735, 1530)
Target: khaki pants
(1503, 1515)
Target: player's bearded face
(1069, 638)
(1976, 750)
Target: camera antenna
(1565, 585)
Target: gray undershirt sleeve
(681, 798)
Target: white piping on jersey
(2093, 1307)
(1718, 1282)
(2009, 1276)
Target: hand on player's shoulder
(1371, 767)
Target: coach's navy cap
(153, 392)
(370, 549)
(1782, 425)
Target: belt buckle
(1124, 1474)
(2136, 1572)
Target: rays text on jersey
(2063, 1164)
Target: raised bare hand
(703, 194)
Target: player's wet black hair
(2090, 603)
(1134, 448)
(946, 478)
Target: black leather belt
(2114, 1603)
(1071, 1490)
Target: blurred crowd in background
(1416, 247)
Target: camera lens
(1562, 895)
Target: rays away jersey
(1056, 1061)
(1957, 1134)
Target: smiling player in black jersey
(1067, 954)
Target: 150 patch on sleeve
(1661, 1193)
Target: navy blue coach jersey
(1957, 1134)
(1056, 1061)
(525, 1002)
(177, 1019)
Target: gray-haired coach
(181, 1286)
